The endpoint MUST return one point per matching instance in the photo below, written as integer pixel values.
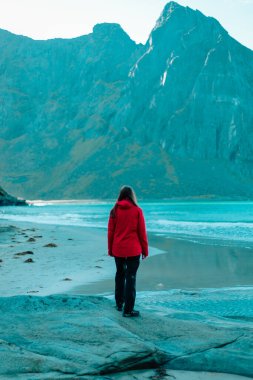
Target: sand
(78, 262)
(63, 257)
(187, 265)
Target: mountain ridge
(168, 5)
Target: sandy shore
(62, 257)
(77, 262)
(187, 265)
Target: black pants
(125, 281)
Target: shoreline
(182, 264)
(79, 264)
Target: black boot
(133, 313)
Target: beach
(57, 280)
(62, 257)
(74, 259)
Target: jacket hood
(124, 204)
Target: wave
(225, 224)
(41, 203)
(241, 231)
(64, 220)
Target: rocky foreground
(84, 337)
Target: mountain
(173, 118)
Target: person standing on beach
(127, 242)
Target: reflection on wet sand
(186, 264)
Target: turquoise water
(225, 222)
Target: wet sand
(186, 265)
(78, 262)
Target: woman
(127, 241)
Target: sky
(45, 19)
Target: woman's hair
(126, 192)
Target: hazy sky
(43, 19)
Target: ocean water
(214, 222)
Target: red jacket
(127, 234)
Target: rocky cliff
(173, 117)
(8, 200)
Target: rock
(31, 239)
(202, 331)
(29, 261)
(163, 374)
(177, 332)
(67, 279)
(50, 245)
(86, 340)
(24, 253)
(8, 200)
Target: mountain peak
(170, 7)
(168, 10)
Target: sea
(222, 223)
